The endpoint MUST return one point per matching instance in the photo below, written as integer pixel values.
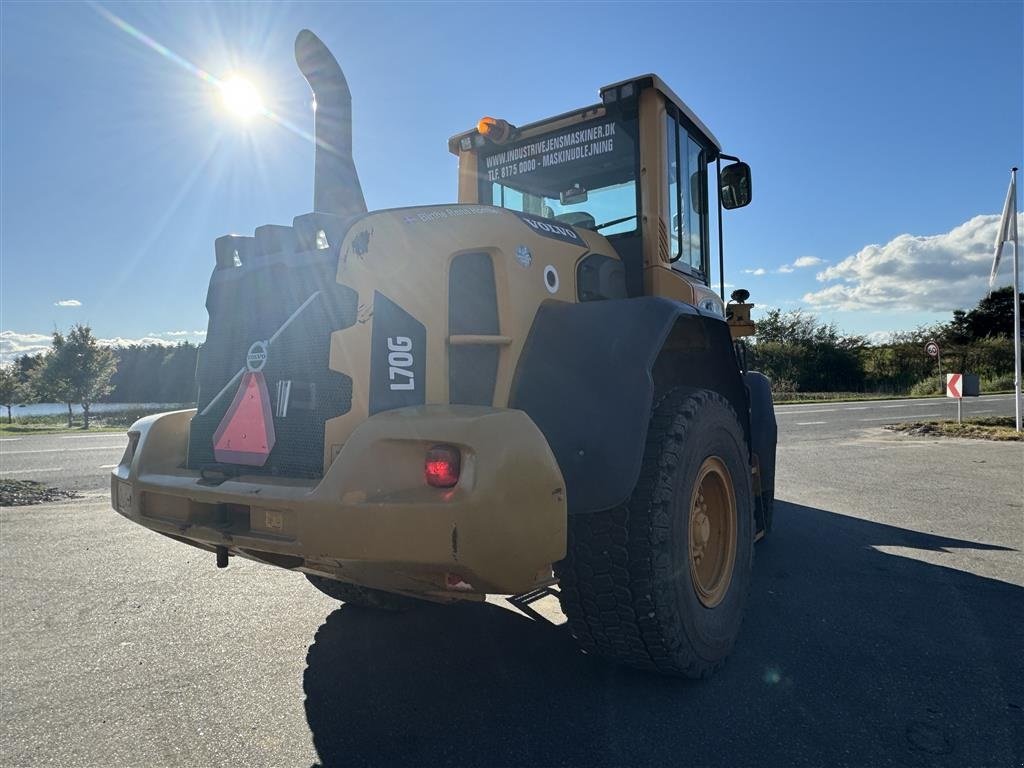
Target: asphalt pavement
(885, 627)
(80, 461)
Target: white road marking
(859, 408)
(809, 423)
(920, 401)
(890, 418)
(64, 450)
(23, 471)
(797, 413)
(118, 435)
(107, 466)
(8, 439)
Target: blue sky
(880, 137)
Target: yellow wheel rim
(712, 532)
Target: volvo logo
(256, 357)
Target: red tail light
(442, 466)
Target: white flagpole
(1016, 302)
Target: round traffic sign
(932, 348)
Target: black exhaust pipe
(336, 188)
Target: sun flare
(240, 97)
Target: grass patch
(981, 428)
(796, 398)
(18, 493)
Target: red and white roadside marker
(955, 388)
(955, 385)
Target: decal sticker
(570, 146)
(551, 229)
(551, 281)
(523, 256)
(400, 364)
(436, 214)
(397, 357)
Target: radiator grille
(250, 302)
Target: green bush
(925, 387)
(997, 383)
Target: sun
(241, 97)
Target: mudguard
(764, 431)
(590, 372)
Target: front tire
(661, 582)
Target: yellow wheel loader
(532, 389)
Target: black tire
(364, 597)
(626, 584)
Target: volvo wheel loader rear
(534, 386)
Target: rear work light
(442, 466)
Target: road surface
(885, 627)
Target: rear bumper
(371, 519)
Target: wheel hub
(712, 532)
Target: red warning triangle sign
(246, 433)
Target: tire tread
(617, 574)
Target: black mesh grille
(249, 303)
(472, 310)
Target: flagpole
(1016, 303)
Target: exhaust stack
(336, 188)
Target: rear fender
(589, 375)
(764, 433)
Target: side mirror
(734, 186)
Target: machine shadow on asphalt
(847, 655)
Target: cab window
(687, 193)
(584, 176)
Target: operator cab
(633, 168)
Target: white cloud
(67, 303)
(934, 273)
(177, 333)
(759, 271)
(879, 337)
(14, 344)
(800, 263)
(120, 341)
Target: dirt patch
(17, 493)
(986, 428)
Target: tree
(51, 381)
(800, 353)
(12, 391)
(992, 317)
(77, 370)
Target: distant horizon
(15, 345)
